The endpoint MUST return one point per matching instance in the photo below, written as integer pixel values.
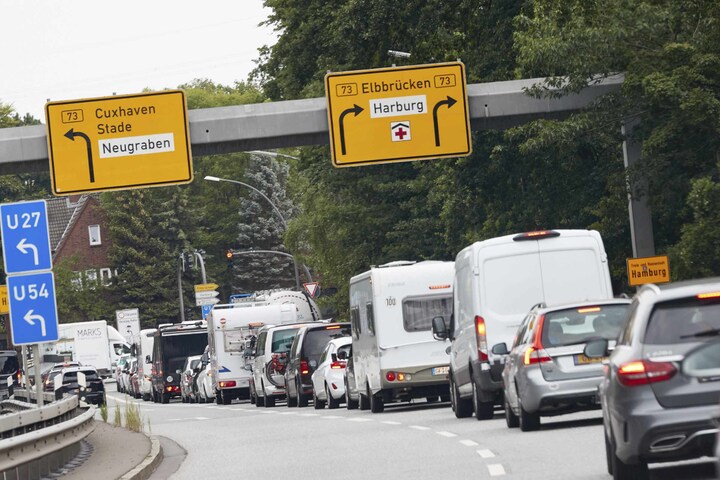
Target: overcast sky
(73, 49)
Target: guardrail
(37, 441)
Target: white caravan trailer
(232, 330)
(145, 340)
(394, 354)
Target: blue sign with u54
(33, 309)
(25, 237)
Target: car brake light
(589, 310)
(390, 376)
(481, 338)
(337, 365)
(332, 327)
(536, 353)
(642, 372)
(704, 296)
(229, 383)
(537, 235)
(304, 368)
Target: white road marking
(468, 443)
(360, 419)
(447, 434)
(496, 469)
(309, 414)
(288, 413)
(419, 427)
(390, 422)
(331, 417)
(485, 453)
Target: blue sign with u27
(25, 237)
(33, 309)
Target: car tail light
(589, 309)
(390, 376)
(337, 365)
(332, 327)
(481, 338)
(536, 353)
(705, 296)
(642, 372)
(537, 235)
(229, 383)
(304, 368)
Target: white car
(205, 390)
(328, 379)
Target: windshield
(282, 340)
(684, 321)
(317, 339)
(578, 325)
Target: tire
(609, 452)
(511, 419)
(269, 402)
(529, 422)
(364, 402)
(627, 471)
(165, 398)
(317, 403)
(218, 398)
(154, 397)
(462, 408)
(226, 399)
(350, 404)
(259, 401)
(483, 410)
(292, 401)
(377, 405)
(331, 402)
(302, 400)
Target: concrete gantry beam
(293, 123)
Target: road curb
(147, 466)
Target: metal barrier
(37, 441)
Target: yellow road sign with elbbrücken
(118, 142)
(398, 114)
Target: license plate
(441, 370)
(584, 360)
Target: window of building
(94, 233)
(91, 279)
(105, 276)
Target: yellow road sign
(4, 305)
(118, 142)
(398, 114)
(206, 287)
(648, 270)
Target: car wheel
(511, 419)
(332, 403)
(364, 403)
(302, 400)
(462, 408)
(483, 410)
(528, 421)
(259, 401)
(628, 471)
(377, 405)
(269, 402)
(609, 452)
(252, 396)
(165, 398)
(226, 398)
(350, 404)
(218, 398)
(317, 403)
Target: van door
(573, 273)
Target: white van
(146, 338)
(231, 329)
(497, 281)
(394, 355)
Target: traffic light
(229, 257)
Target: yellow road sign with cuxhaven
(118, 142)
(648, 270)
(398, 114)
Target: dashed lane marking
(419, 427)
(359, 419)
(496, 470)
(331, 417)
(390, 422)
(485, 453)
(447, 434)
(468, 443)
(309, 414)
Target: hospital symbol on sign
(400, 131)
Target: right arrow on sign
(356, 110)
(449, 102)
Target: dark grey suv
(657, 408)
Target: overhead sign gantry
(398, 114)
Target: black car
(303, 358)
(173, 344)
(91, 390)
(9, 368)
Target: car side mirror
(596, 348)
(439, 329)
(500, 349)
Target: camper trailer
(394, 354)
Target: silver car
(659, 395)
(546, 372)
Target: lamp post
(275, 209)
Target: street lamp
(212, 178)
(273, 154)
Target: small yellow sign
(118, 142)
(398, 114)
(206, 287)
(4, 304)
(648, 270)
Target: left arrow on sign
(71, 134)
(23, 246)
(30, 318)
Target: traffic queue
(524, 324)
